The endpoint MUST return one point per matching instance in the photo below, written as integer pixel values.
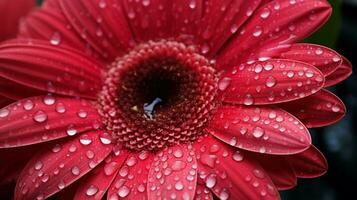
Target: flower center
(159, 94)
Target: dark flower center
(159, 94)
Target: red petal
(270, 82)
(4, 101)
(232, 174)
(156, 19)
(101, 23)
(265, 34)
(55, 168)
(260, 129)
(20, 91)
(41, 119)
(341, 73)
(173, 173)
(279, 170)
(49, 68)
(96, 183)
(11, 13)
(50, 24)
(222, 20)
(317, 110)
(203, 193)
(132, 178)
(323, 58)
(308, 164)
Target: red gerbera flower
(156, 99)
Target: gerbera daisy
(156, 99)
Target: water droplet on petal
(40, 116)
(75, 171)
(82, 114)
(60, 108)
(71, 131)
(56, 148)
(270, 82)
(38, 165)
(28, 105)
(55, 38)
(49, 100)
(85, 139)
(179, 185)
(237, 156)
(224, 83)
(248, 100)
(123, 191)
(178, 153)
(61, 185)
(105, 138)
(265, 13)
(211, 181)
(4, 112)
(92, 190)
(258, 31)
(336, 108)
(258, 132)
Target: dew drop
(55, 38)
(248, 100)
(61, 185)
(233, 141)
(85, 139)
(179, 185)
(270, 82)
(192, 4)
(60, 108)
(82, 114)
(4, 112)
(258, 132)
(178, 153)
(335, 108)
(38, 165)
(92, 190)
(102, 4)
(146, 3)
(258, 31)
(40, 116)
(75, 171)
(265, 14)
(56, 148)
(49, 100)
(224, 83)
(71, 131)
(105, 138)
(178, 165)
(28, 105)
(211, 181)
(237, 156)
(318, 51)
(234, 28)
(123, 191)
(224, 195)
(131, 161)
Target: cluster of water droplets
(270, 81)
(173, 173)
(51, 117)
(220, 163)
(258, 129)
(69, 162)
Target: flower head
(155, 99)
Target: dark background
(337, 142)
